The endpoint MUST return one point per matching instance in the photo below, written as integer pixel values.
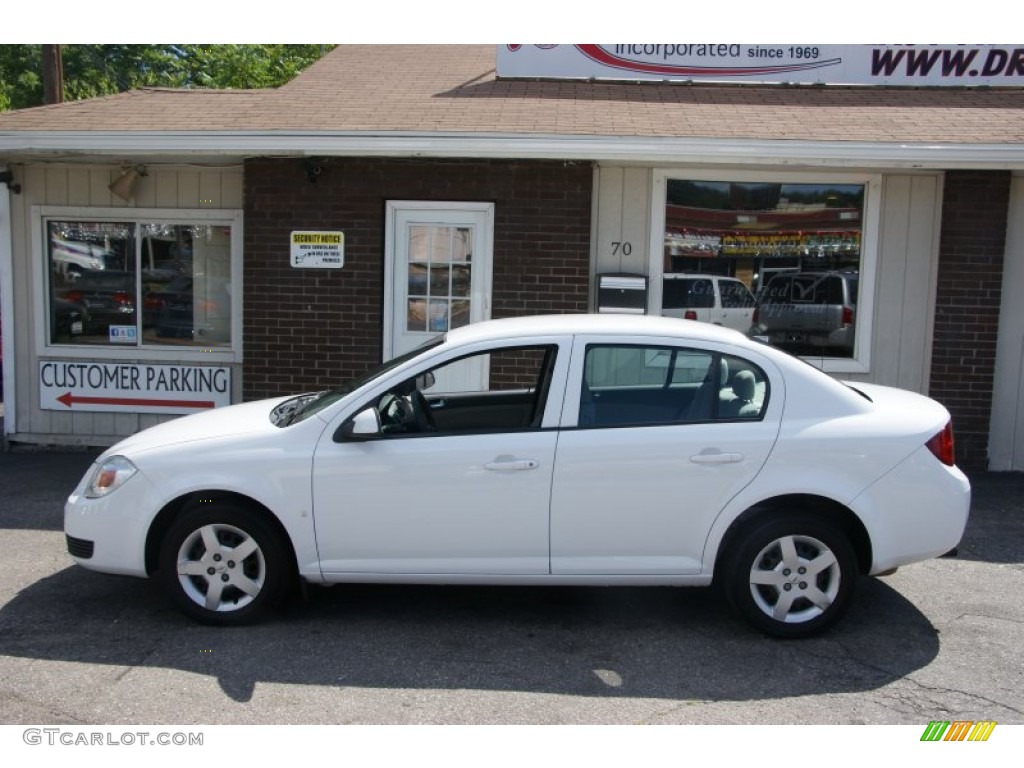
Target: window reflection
(92, 282)
(186, 294)
(133, 283)
(439, 277)
(770, 237)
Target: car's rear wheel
(791, 576)
(222, 563)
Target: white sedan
(569, 450)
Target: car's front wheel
(221, 563)
(791, 576)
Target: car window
(498, 390)
(777, 290)
(735, 294)
(301, 407)
(687, 293)
(627, 385)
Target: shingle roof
(451, 89)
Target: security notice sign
(114, 387)
(318, 249)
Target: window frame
(551, 370)
(716, 355)
(860, 362)
(41, 214)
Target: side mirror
(365, 425)
(425, 380)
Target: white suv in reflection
(73, 258)
(709, 299)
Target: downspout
(7, 309)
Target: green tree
(101, 70)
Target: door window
(640, 385)
(439, 277)
(512, 397)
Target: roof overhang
(233, 146)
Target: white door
(639, 484)
(439, 504)
(437, 275)
(468, 495)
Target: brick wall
(308, 329)
(971, 248)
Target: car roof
(596, 324)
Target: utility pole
(53, 75)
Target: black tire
(202, 578)
(791, 575)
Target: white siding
(907, 271)
(1006, 433)
(169, 187)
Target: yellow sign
(325, 250)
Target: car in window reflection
(70, 320)
(708, 298)
(107, 298)
(809, 312)
(175, 312)
(570, 450)
(73, 258)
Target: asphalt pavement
(937, 640)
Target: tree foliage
(101, 70)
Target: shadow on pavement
(674, 644)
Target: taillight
(123, 299)
(689, 315)
(847, 316)
(73, 296)
(942, 445)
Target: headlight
(109, 476)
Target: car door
(735, 304)
(654, 445)
(471, 496)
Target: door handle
(716, 457)
(513, 465)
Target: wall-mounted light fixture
(7, 177)
(124, 185)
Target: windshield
(303, 406)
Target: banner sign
(135, 388)
(761, 244)
(901, 65)
(318, 249)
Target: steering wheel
(421, 412)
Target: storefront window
(139, 283)
(797, 248)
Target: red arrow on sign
(69, 400)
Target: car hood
(228, 421)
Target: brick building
(150, 263)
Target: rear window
(687, 293)
(735, 294)
(821, 289)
